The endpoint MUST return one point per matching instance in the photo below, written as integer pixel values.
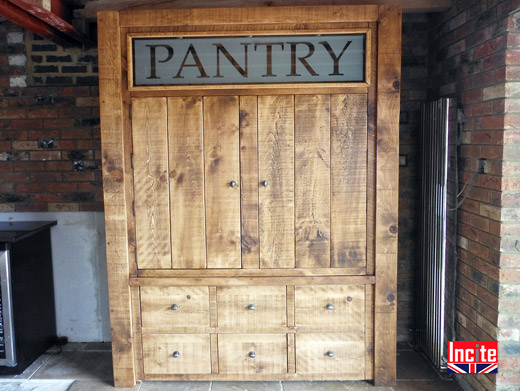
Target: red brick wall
(471, 51)
(46, 92)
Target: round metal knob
(252, 354)
(330, 353)
(265, 183)
(233, 184)
(251, 307)
(176, 354)
(330, 307)
(175, 307)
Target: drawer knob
(252, 354)
(251, 307)
(265, 183)
(175, 307)
(176, 354)
(330, 307)
(330, 353)
(233, 184)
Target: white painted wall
(80, 272)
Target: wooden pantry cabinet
(250, 160)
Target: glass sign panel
(337, 58)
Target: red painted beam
(52, 20)
(29, 22)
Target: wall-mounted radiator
(432, 262)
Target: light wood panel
(312, 180)
(192, 307)
(348, 307)
(113, 161)
(270, 352)
(348, 351)
(388, 105)
(194, 353)
(186, 171)
(249, 181)
(150, 146)
(276, 166)
(221, 160)
(235, 307)
(348, 180)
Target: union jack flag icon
(472, 368)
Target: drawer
(331, 353)
(254, 307)
(330, 306)
(176, 353)
(252, 353)
(164, 308)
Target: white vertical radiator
(432, 262)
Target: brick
(45, 155)
(47, 197)
(46, 69)
(87, 101)
(493, 92)
(44, 48)
(63, 207)
(58, 80)
(29, 187)
(484, 50)
(41, 113)
(513, 57)
(87, 80)
(25, 145)
(74, 69)
(28, 166)
(62, 187)
(53, 58)
(493, 122)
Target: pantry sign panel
(172, 61)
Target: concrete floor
(88, 367)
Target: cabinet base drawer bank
(250, 160)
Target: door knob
(233, 184)
(265, 183)
(174, 307)
(330, 353)
(251, 307)
(252, 354)
(330, 307)
(176, 354)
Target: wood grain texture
(221, 160)
(186, 172)
(312, 180)
(388, 102)
(152, 211)
(156, 307)
(270, 351)
(249, 181)
(113, 161)
(269, 303)
(348, 350)
(276, 166)
(348, 180)
(234, 16)
(310, 307)
(369, 332)
(194, 353)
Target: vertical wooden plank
(312, 180)
(388, 102)
(137, 322)
(213, 309)
(276, 167)
(369, 332)
(348, 180)
(188, 236)
(290, 305)
(371, 156)
(214, 352)
(221, 161)
(291, 353)
(113, 161)
(152, 213)
(249, 181)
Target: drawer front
(252, 353)
(164, 308)
(176, 353)
(252, 307)
(331, 353)
(330, 305)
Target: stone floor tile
(102, 346)
(175, 386)
(35, 385)
(427, 385)
(99, 385)
(413, 365)
(78, 365)
(246, 386)
(332, 386)
(30, 370)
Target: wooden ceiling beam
(34, 17)
(92, 7)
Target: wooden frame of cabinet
(380, 274)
